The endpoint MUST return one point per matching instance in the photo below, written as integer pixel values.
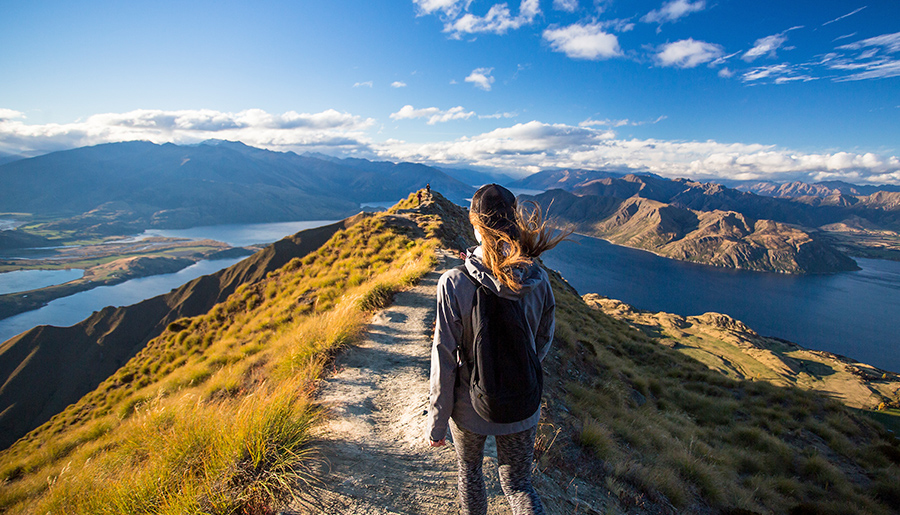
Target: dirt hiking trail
(374, 458)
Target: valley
(712, 224)
(111, 262)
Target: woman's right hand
(440, 443)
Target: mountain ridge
(720, 238)
(88, 352)
(122, 188)
(637, 427)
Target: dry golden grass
(213, 416)
(663, 428)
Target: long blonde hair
(510, 244)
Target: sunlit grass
(214, 416)
(667, 427)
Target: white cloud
(398, 84)
(671, 11)
(845, 36)
(889, 42)
(523, 147)
(875, 71)
(532, 146)
(568, 6)
(256, 127)
(725, 73)
(794, 78)
(874, 61)
(482, 78)
(496, 116)
(688, 53)
(448, 7)
(763, 46)
(583, 41)
(764, 72)
(618, 25)
(619, 123)
(367, 84)
(498, 20)
(433, 114)
(9, 114)
(844, 16)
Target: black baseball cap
(497, 207)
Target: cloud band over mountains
(255, 127)
(521, 148)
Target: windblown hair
(523, 241)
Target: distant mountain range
(713, 224)
(6, 157)
(819, 189)
(120, 188)
(567, 180)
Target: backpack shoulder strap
(464, 347)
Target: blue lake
(24, 280)
(70, 310)
(851, 313)
(238, 235)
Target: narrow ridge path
(374, 459)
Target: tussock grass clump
(665, 429)
(213, 416)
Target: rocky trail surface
(374, 458)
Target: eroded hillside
(714, 237)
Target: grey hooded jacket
(455, 292)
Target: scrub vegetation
(659, 427)
(214, 415)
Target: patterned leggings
(515, 453)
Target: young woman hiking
(504, 262)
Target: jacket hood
(531, 276)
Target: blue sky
(685, 88)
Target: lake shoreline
(841, 313)
(126, 268)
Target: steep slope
(21, 240)
(806, 205)
(655, 426)
(730, 347)
(644, 186)
(197, 185)
(720, 238)
(45, 369)
(476, 178)
(213, 417)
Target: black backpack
(505, 376)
